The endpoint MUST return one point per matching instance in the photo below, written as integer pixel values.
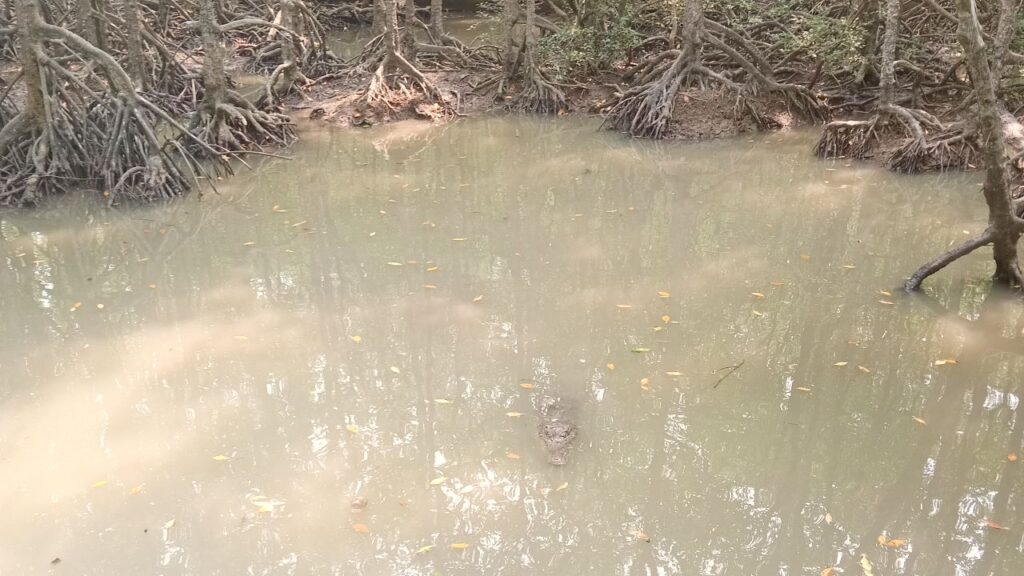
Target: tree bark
(213, 60)
(133, 37)
(437, 20)
(887, 81)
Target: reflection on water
(213, 386)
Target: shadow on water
(209, 384)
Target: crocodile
(556, 430)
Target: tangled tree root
(396, 81)
(847, 139)
(235, 126)
(539, 94)
(645, 110)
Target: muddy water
(333, 366)
(471, 30)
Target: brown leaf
(361, 528)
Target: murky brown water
(471, 30)
(205, 387)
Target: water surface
(205, 387)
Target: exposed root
(646, 110)
(847, 139)
(235, 126)
(539, 94)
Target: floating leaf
(352, 428)
(512, 456)
(395, 370)
(432, 269)
(945, 362)
(100, 484)
(458, 239)
(865, 565)
(642, 536)
(887, 302)
(641, 350)
(756, 313)
(429, 286)
(624, 306)
(169, 524)
(248, 244)
(885, 293)
(467, 489)
(610, 366)
(1012, 456)
(840, 364)
(513, 414)
(136, 489)
(425, 549)
(645, 384)
(562, 486)
(849, 266)
(805, 257)
(459, 546)
(828, 518)
(802, 389)
(357, 338)
(919, 420)
(994, 526)
(666, 318)
(757, 295)
(361, 528)
(526, 385)
(830, 571)
(438, 481)
(442, 401)
(221, 458)
(777, 283)
(663, 294)
(863, 369)
(478, 298)
(241, 338)
(395, 264)
(896, 543)
(674, 373)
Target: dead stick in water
(730, 369)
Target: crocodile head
(557, 437)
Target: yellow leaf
(361, 528)
(863, 369)
(478, 298)
(919, 420)
(865, 565)
(885, 293)
(526, 385)
(459, 546)
(438, 481)
(828, 572)
(645, 384)
(623, 306)
(395, 264)
(805, 257)
(442, 401)
(241, 338)
(887, 302)
(663, 294)
(100, 484)
(76, 306)
(136, 489)
(896, 543)
(357, 338)
(840, 364)
(1012, 456)
(425, 549)
(169, 524)
(674, 373)
(429, 286)
(756, 313)
(666, 318)
(513, 414)
(249, 244)
(802, 389)
(610, 366)
(352, 428)
(563, 486)
(432, 269)
(945, 362)
(458, 239)
(849, 266)
(641, 350)
(220, 458)
(297, 224)
(828, 518)
(882, 539)
(757, 295)
(512, 456)
(396, 370)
